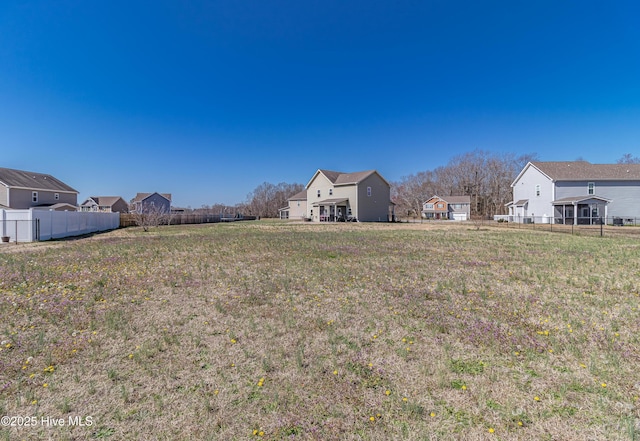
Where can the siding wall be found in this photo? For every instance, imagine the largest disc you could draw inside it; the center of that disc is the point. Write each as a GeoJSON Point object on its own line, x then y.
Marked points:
{"type": "Point", "coordinates": [324, 185]}
{"type": "Point", "coordinates": [624, 195]}
{"type": "Point", "coordinates": [373, 208]}
{"type": "Point", "coordinates": [4, 191]}
{"type": "Point", "coordinates": [525, 188]}
{"type": "Point", "coordinates": [297, 209]}
{"type": "Point", "coordinates": [21, 198]}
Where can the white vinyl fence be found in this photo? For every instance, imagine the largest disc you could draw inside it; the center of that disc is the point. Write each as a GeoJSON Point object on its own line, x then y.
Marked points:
{"type": "Point", "coordinates": [34, 225]}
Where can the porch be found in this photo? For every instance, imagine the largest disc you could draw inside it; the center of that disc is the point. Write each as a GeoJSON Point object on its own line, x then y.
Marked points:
{"type": "Point", "coordinates": [333, 210]}
{"type": "Point", "coordinates": [580, 210]}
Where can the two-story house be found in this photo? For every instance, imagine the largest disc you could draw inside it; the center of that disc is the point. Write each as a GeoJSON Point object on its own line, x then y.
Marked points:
{"type": "Point", "coordinates": [151, 202]}
{"type": "Point", "coordinates": [450, 207]}
{"type": "Point", "coordinates": [21, 189]}
{"type": "Point", "coordinates": [105, 204]}
{"type": "Point", "coordinates": [575, 192]}
{"type": "Point", "coordinates": [335, 196]}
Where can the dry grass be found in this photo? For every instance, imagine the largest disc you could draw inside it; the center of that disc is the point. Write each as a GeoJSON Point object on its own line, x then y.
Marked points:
{"type": "Point", "coordinates": [271, 330]}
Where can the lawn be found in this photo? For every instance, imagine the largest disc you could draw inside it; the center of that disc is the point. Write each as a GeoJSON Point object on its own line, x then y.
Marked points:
{"type": "Point", "coordinates": [273, 330]}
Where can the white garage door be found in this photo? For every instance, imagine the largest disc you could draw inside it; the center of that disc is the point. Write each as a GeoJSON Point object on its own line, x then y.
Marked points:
{"type": "Point", "coordinates": [460, 216]}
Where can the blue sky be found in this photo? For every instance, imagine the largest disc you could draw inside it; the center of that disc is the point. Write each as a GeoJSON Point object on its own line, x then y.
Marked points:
{"type": "Point", "coordinates": [208, 99]}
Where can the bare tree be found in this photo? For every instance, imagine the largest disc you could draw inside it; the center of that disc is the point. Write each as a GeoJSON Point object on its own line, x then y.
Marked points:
{"type": "Point", "coordinates": [410, 193]}
{"type": "Point", "coordinates": [628, 158]}
{"type": "Point", "coordinates": [485, 177]}
{"type": "Point", "coordinates": [267, 198]}
{"type": "Point", "coordinates": [151, 216]}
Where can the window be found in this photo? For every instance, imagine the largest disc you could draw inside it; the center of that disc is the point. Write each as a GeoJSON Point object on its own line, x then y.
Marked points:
{"type": "Point", "coordinates": [538, 190]}
{"type": "Point", "coordinates": [331, 192]}
{"type": "Point", "coordinates": [318, 193]}
{"type": "Point", "coordinates": [591, 188]}
{"type": "Point", "coordinates": [56, 196]}
{"type": "Point", "coordinates": [368, 191]}
{"type": "Point", "coordinates": [34, 196]}
{"type": "Point", "coordinates": [428, 206]}
{"type": "Point", "coordinates": [440, 205]}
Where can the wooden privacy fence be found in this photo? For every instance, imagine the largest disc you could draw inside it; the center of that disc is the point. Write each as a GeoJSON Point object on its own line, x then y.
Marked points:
{"type": "Point", "coordinates": [132, 220]}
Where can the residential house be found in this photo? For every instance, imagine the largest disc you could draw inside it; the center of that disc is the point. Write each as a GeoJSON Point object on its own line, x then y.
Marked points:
{"type": "Point", "coordinates": [575, 192]}
{"type": "Point", "coordinates": [105, 204]}
{"type": "Point", "coordinates": [297, 207]}
{"type": "Point", "coordinates": [24, 189]}
{"type": "Point", "coordinates": [450, 208]}
{"type": "Point", "coordinates": [151, 202]}
{"type": "Point", "coordinates": [336, 196]}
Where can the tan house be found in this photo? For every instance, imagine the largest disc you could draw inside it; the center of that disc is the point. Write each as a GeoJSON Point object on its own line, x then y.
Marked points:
{"type": "Point", "coordinates": [297, 208]}
{"type": "Point", "coordinates": [450, 208]}
{"type": "Point", "coordinates": [359, 196]}
{"type": "Point", "coordinates": [24, 189]}
{"type": "Point", "coordinates": [105, 204]}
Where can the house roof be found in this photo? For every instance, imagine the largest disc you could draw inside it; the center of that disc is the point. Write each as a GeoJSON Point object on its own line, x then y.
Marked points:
{"type": "Point", "coordinates": [142, 196]}
{"type": "Point", "coordinates": [585, 171]}
{"type": "Point", "coordinates": [452, 199]}
{"type": "Point", "coordinates": [340, 178]}
{"type": "Point", "coordinates": [458, 199]}
{"type": "Point", "coordinates": [576, 199]}
{"type": "Point", "coordinates": [61, 206]}
{"type": "Point", "coordinates": [103, 200]}
{"type": "Point", "coordinates": [32, 181]}
{"type": "Point", "coordinates": [302, 196]}
{"type": "Point", "coordinates": [331, 201]}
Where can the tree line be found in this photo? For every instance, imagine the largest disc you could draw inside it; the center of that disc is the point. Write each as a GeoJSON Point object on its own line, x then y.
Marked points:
{"type": "Point", "coordinates": [485, 177]}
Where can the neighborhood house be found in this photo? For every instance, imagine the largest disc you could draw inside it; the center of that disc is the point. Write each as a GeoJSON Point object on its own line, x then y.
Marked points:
{"type": "Point", "coordinates": [105, 204]}
{"type": "Point", "coordinates": [575, 192]}
{"type": "Point", "coordinates": [451, 208]}
{"type": "Point", "coordinates": [332, 196]}
{"type": "Point", "coordinates": [151, 202]}
{"type": "Point", "coordinates": [24, 189]}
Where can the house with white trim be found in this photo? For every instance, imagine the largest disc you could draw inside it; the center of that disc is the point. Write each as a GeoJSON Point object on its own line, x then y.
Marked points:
{"type": "Point", "coordinates": [296, 207]}
{"type": "Point", "coordinates": [332, 196]}
{"type": "Point", "coordinates": [159, 203]}
{"type": "Point", "coordinates": [575, 192]}
{"type": "Point", "coordinates": [21, 189]}
{"type": "Point", "coordinates": [105, 204]}
{"type": "Point", "coordinates": [449, 207]}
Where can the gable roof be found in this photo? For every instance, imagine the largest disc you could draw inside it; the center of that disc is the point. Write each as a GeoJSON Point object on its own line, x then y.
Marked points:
{"type": "Point", "coordinates": [32, 181]}
{"type": "Point", "coordinates": [585, 171]}
{"type": "Point", "coordinates": [142, 196]}
{"type": "Point", "coordinates": [104, 200]}
{"type": "Point", "coordinates": [451, 199]}
{"type": "Point", "coordinates": [340, 178]}
{"type": "Point", "coordinates": [301, 196]}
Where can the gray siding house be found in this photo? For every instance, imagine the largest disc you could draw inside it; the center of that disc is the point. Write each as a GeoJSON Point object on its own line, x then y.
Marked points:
{"type": "Point", "coordinates": [575, 192]}
{"type": "Point", "coordinates": [21, 189]}
{"type": "Point", "coordinates": [335, 196]}
{"type": "Point", "coordinates": [151, 202]}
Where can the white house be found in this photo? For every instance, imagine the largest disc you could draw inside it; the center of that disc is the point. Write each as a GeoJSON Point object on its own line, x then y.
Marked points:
{"type": "Point", "coordinates": [575, 192]}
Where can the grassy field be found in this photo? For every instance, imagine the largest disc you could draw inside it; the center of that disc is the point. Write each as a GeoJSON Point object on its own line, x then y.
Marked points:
{"type": "Point", "coordinates": [269, 330]}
